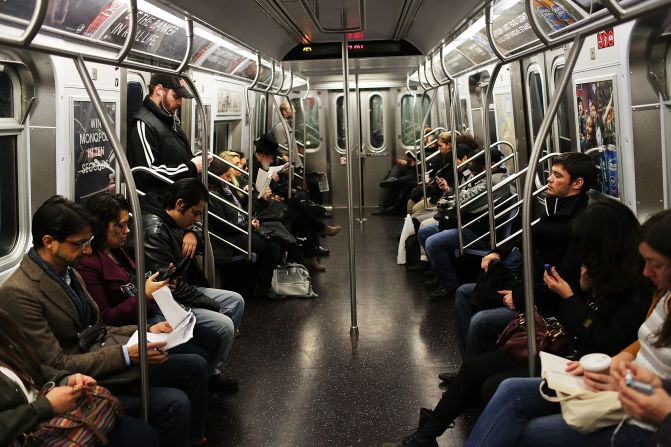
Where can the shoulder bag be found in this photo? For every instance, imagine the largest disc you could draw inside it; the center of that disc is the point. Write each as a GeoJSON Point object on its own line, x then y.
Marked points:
{"type": "Point", "coordinates": [87, 425]}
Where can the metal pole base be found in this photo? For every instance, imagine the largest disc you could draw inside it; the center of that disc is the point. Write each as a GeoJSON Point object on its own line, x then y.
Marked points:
{"type": "Point", "coordinates": [361, 219]}
{"type": "Point", "coordinates": [354, 330]}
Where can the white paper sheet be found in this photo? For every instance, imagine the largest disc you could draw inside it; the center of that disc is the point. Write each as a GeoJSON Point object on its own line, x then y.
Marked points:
{"type": "Point", "coordinates": [181, 320]}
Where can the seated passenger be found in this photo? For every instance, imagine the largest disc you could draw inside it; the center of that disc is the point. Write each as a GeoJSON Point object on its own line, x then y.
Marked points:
{"type": "Point", "coordinates": [517, 414]}
{"type": "Point", "coordinates": [170, 236]}
{"type": "Point", "coordinates": [402, 178]}
{"type": "Point", "coordinates": [47, 299]}
{"type": "Point", "coordinates": [268, 250]}
{"type": "Point", "coordinates": [440, 240]}
{"type": "Point", "coordinates": [439, 167]}
{"type": "Point", "coordinates": [571, 177]}
{"type": "Point", "coordinates": [604, 320]}
{"type": "Point", "coordinates": [23, 407]}
{"type": "Point", "coordinates": [303, 223]}
{"type": "Point", "coordinates": [109, 275]}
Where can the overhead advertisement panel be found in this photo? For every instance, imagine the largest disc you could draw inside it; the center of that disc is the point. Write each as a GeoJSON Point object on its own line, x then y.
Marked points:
{"type": "Point", "coordinates": [512, 30]}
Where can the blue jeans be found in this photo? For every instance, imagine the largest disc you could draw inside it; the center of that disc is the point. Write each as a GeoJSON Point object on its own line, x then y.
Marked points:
{"type": "Point", "coordinates": [223, 323]}
{"type": "Point", "coordinates": [440, 246]}
{"type": "Point", "coordinates": [477, 330]}
{"type": "Point", "coordinates": [518, 415]}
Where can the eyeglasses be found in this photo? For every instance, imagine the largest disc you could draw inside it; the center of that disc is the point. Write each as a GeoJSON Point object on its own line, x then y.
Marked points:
{"type": "Point", "coordinates": [119, 227]}
{"type": "Point", "coordinates": [80, 245]}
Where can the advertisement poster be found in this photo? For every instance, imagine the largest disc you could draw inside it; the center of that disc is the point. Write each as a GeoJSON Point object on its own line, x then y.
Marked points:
{"type": "Point", "coordinates": [199, 137]}
{"type": "Point", "coordinates": [93, 155]}
{"type": "Point", "coordinates": [596, 108]}
{"type": "Point", "coordinates": [228, 102]}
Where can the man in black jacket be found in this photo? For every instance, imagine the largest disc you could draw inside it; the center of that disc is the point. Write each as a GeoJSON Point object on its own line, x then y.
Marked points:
{"type": "Point", "coordinates": [170, 236]}
{"type": "Point", "coordinates": [571, 177]}
{"type": "Point", "coordinates": [155, 139]}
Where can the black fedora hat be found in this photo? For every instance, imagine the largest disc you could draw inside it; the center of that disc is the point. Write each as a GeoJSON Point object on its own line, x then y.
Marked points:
{"type": "Point", "coordinates": [266, 144]}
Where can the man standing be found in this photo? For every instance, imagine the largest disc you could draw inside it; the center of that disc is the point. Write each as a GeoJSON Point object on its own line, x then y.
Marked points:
{"type": "Point", "coordinates": [155, 138]}
{"type": "Point", "coordinates": [281, 136]}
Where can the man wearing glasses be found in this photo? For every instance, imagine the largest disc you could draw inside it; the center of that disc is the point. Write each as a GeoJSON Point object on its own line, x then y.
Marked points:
{"type": "Point", "coordinates": [171, 234]}
{"type": "Point", "coordinates": [48, 300]}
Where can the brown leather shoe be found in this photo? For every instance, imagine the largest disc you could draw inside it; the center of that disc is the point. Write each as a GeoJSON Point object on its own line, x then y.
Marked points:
{"type": "Point", "coordinates": [332, 230]}
{"type": "Point", "coordinates": [313, 263]}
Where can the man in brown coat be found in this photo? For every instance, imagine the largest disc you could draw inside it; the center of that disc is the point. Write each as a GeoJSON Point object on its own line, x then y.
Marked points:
{"type": "Point", "coordinates": [47, 299]}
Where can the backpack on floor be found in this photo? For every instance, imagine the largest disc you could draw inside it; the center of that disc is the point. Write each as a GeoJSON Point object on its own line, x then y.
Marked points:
{"type": "Point", "coordinates": [292, 279]}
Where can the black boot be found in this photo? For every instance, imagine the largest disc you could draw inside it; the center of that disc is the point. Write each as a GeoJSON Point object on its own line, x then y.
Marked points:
{"type": "Point", "coordinates": [430, 427]}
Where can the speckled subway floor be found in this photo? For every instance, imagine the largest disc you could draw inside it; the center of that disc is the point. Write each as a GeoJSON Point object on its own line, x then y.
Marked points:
{"type": "Point", "coordinates": [304, 381]}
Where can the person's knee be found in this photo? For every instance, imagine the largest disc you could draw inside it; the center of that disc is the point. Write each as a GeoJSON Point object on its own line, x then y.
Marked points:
{"type": "Point", "coordinates": [169, 407]}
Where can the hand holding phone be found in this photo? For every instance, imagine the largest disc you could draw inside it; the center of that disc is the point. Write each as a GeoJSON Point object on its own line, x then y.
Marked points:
{"type": "Point", "coordinates": [641, 387]}
{"type": "Point", "coordinates": [173, 273]}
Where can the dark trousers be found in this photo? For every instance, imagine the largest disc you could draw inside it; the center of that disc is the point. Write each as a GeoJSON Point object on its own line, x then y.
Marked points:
{"type": "Point", "coordinates": [169, 414]}
{"type": "Point", "coordinates": [132, 432]}
{"type": "Point", "coordinates": [473, 374]}
{"type": "Point", "coordinates": [268, 252]}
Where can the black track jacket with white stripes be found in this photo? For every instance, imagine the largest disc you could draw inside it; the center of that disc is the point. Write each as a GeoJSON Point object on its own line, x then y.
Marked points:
{"type": "Point", "coordinates": [157, 142]}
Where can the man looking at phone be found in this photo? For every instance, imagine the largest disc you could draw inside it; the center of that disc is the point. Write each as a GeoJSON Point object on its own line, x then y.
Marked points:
{"type": "Point", "coordinates": [47, 299]}
{"type": "Point", "coordinates": [170, 235]}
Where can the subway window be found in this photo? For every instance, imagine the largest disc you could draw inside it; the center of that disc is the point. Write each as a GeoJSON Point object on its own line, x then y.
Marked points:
{"type": "Point", "coordinates": [9, 218]}
{"type": "Point", "coordinates": [412, 113]}
{"type": "Point", "coordinates": [563, 128]}
{"type": "Point", "coordinates": [376, 122]}
{"type": "Point", "coordinates": [535, 99]}
{"type": "Point", "coordinates": [261, 117]}
{"type": "Point", "coordinates": [6, 96]}
{"type": "Point", "coordinates": [9, 181]}
{"type": "Point", "coordinates": [340, 124]}
{"type": "Point", "coordinates": [307, 121]}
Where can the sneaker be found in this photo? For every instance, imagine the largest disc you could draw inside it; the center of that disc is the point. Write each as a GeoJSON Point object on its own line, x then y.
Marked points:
{"type": "Point", "coordinates": [221, 384]}
{"type": "Point", "coordinates": [442, 293]}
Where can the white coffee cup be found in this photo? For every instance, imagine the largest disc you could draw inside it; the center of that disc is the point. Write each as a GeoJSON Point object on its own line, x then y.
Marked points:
{"type": "Point", "coordinates": [596, 362]}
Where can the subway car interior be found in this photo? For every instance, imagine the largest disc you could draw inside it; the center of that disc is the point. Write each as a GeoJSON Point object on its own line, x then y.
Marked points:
{"type": "Point", "coordinates": [348, 223]}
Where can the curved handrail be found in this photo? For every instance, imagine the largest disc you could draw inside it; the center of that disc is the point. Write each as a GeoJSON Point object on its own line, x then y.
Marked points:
{"type": "Point", "coordinates": [230, 165]}
{"type": "Point", "coordinates": [189, 47]}
{"type": "Point", "coordinates": [132, 31]}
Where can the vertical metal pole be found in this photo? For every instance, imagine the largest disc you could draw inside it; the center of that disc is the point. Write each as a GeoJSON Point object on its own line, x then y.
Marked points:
{"type": "Point", "coordinates": [137, 229]}
{"type": "Point", "coordinates": [457, 201]}
{"type": "Point", "coordinates": [487, 97]}
{"type": "Point", "coordinates": [422, 151]}
{"type": "Point", "coordinates": [250, 154]}
{"type": "Point", "coordinates": [527, 199]}
{"type": "Point", "coordinates": [208, 254]}
{"type": "Point", "coordinates": [304, 99]}
{"type": "Point", "coordinates": [361, 149]}
{"type": "Point", "coordinates": [354, 329]}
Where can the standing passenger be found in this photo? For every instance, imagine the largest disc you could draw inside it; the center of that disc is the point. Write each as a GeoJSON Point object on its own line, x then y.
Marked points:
{"type": "Point", "coordinates": [155, 138]}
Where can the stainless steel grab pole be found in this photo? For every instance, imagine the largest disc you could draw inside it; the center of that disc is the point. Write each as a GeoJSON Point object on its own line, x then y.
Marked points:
{"type": "Point", "coordinates": [108, 126]}
{"type": "Point", "coordinates": [354, 329]}
{"type": "Point", "coordinates": [527, 199]}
